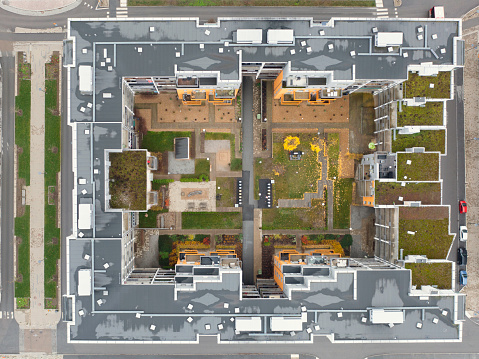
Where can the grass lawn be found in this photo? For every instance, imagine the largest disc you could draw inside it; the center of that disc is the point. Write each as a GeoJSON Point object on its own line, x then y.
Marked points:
{"type": "Point", "coordinates": [423, 167]}
{"type": "Point", "coordinates": [227, 190]}
{"type": "Point", "coordinates": [128, 180]}
{"type": "Point", "coordinates": [150, 221]}
{"type": "Point", "coordinates": [236, 163]}
{"type": "Point", "coordinates": [430, 114]}
{"type": "Point", "coordinates": [211, 220]}
{"type": "Point", "coordinates": [161, 141]}
{"type": "Point", "coordinates": [23, 303]}
{"type": "Point", "coordinates": [202, 170]}
{"type": "Point", "coordinates": [343, 196]}
{"type": "Point", "coordinates": [439, 274]}
{"type": "Point", "coordinates": [52, 167]}
{"type": "Point", "coordinates": [165, 245]}
{"type": "Point", "coordinates": [22, 128]}
{"type": "Point", "coordinates": [294, 218]}
{"type": "Point", "coordinates": [363, 3]}
{"type": "Point", "coordinates": [430, 140]}
{"type": "Point", "coordinates": [388, 193]}
{"type": "Point", "coordinates": [332, 151]}
{"type": "Point", "coordinates": [431, 238]}
{"type": "Point", "coordinates": [22, 230]}
{"type": "Point", "coordinates": [292, 178]}
{"type": "Point", "coordinates": [419, 86]}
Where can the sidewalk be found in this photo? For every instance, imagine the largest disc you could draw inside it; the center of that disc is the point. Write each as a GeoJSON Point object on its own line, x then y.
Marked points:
{"type": "Point", "coordinates": [37, 317]}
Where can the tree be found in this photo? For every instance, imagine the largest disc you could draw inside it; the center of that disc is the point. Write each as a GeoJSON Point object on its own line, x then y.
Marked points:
{"type": "Point", "coordinates": [346, 241]}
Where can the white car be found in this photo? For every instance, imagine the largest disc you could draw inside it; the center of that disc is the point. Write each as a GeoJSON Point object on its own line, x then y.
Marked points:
{"type": "Point", "coordinates": [463, 233]}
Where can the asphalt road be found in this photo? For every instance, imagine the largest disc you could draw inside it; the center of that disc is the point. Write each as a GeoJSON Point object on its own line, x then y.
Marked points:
{"type": "Point", "coordinates": [453, 170]}
{"type": "Point", "coordinates": [8, 326]}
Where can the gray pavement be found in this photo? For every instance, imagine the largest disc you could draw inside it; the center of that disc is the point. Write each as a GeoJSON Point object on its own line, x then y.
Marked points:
{"type": "Point", "coordinates": [248, 182]}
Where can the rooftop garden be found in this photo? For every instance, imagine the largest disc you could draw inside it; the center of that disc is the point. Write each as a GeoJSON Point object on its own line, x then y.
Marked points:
{"type": "Point", "coordinates": [128, 180]}
{"type": "Point", "coordinates": [236, 164]}
{"type": "Point", "coordinates": [431, 236]}
{"type": "Point", "coordinates": [431, 114]}
{"type": "Point", "coordinates": [293, 178]}
{"type": "Point", "coordinates": [211, 220]}
{"type": "Point", "coordinates": [439, 274]}
{"type": "Point", "coordinates": [161, 141]}
{"type": "Point", "coordinates": [428, 86]}
{"type": "Point", "coordinates": [388, 193]}
{"type": "Point", "coordinates": [433, 141]}
{"type": "Point", "coordinates": [417, 166]}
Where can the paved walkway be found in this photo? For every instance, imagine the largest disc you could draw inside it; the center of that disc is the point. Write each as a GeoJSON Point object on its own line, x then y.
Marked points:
{"type": "Point", "coordinates": [37, 317]}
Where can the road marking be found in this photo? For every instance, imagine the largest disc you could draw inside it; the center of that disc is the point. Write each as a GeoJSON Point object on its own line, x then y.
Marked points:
{"type": "Point", "coordinates": [1, 313]}
{"type": "Point", "coordinates": [126, 15]}
{"type": "Point", "coordinates": [379, 3]}
{"type": "Point", "coordinates": [382, 10]}
{"type": "Point", "coordinates": [383, 17]}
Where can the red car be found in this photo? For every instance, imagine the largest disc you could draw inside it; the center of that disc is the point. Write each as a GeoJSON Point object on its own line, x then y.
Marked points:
{"type": "Point", "coordinates": [462, 207]}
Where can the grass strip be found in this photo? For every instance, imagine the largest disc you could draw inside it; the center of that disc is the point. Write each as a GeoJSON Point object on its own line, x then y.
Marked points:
{"type": "Point", "coordinates": [343, 196]}
{"type": "Point", "coordinates": [52, 167]}
{"type": "Point", "coordinates": [22, 230]}
{"type": "Point", "coordinates": [211, 220]}
{"type": "Point", "coordinates": [22, 129]}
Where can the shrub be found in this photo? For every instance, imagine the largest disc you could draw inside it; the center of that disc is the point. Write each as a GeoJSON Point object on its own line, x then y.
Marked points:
{"type": "Point", "coordinates": [346, 241]}
{"type": "Point", "coordinates": [331, 236]}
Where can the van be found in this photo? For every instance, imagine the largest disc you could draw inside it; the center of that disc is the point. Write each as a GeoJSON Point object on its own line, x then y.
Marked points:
{"type": "Point", "coordinates": [463, 277]}
{"type": "Point", "coordinates": [436, 12]}
{"type": "Point", "coordinates": [463, 233]}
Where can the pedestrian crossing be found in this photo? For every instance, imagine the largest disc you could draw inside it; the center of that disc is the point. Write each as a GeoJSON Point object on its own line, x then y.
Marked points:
{"type": "Point", "coordinates": [382, 12]}
{"type": "Point", "coordinates": [121, 12]}
{"type": "Point", "coordinates": [6, 315]}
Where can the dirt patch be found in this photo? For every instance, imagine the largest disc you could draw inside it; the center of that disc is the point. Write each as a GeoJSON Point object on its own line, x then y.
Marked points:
{"type": "Point", "coordinates": [337, 111]}
{"type": "Point", "coordinates": [51, 68]}
{"type": "Point", "coordinates": [168, 108]}
{"type": "Point", "coordinates": [54, 149]}
{"type": "Point", "coordinates": [20, 208]}
{"type": "Point", "coordinates": [361, 119]}
{"type": "Point", "coordinates": [225, 113]}
{"type": "Point", "coordinates": [414, 213]}
{"type": "Point", "coordinates": [52, 195]}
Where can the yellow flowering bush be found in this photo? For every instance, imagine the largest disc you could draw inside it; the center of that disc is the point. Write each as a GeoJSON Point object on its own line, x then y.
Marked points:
{"type": "Point", "coordinates": [290, 143]}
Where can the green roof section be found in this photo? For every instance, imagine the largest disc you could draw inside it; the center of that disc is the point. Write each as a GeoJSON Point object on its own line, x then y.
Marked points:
{"type": "Point", "coordinates": [430, 114]}
{"type": "Point", "coordinates": [428, 86]}
{"type": "Point", "coordinates": [128, 180]}
{"type": "Point", "coordinates": [417, 167]}
{"type": "Point", "coordinates": [437, 274]}
{"type": "Point", "coordinates": [388, 193]}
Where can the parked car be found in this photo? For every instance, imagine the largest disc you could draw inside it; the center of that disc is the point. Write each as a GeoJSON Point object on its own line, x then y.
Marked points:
{"type": "Point", "coordinates": [463, 233]}
{"type": "Point", "coordinates": [462, 277]}
{"type": "Point", "coordinates": [462, 207]}
{"type": "Point", "coordinates": [462, 256]}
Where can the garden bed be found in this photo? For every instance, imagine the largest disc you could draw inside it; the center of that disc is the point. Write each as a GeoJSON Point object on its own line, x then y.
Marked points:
{"type": "Point", "coordinates": [420, 86]}
{"type": "Point", "coordinates": [431, 114]}
{"type": "Point", "coordinates": [439, 274]}
{"type": "Point", "coordinates": [22, 129]}
{"type": "Point", "coordinates": [422, 167]}
{"type": "Point", "coordinates": [22, 232]}
{"type": "Point", "coordinates": [388, 193]}
{"type": "Point", "coordinates": [128, 180]}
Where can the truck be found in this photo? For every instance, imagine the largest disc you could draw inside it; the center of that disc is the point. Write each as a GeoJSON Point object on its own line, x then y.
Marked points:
{"type": "Point", "coordinates": [436, 12]}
